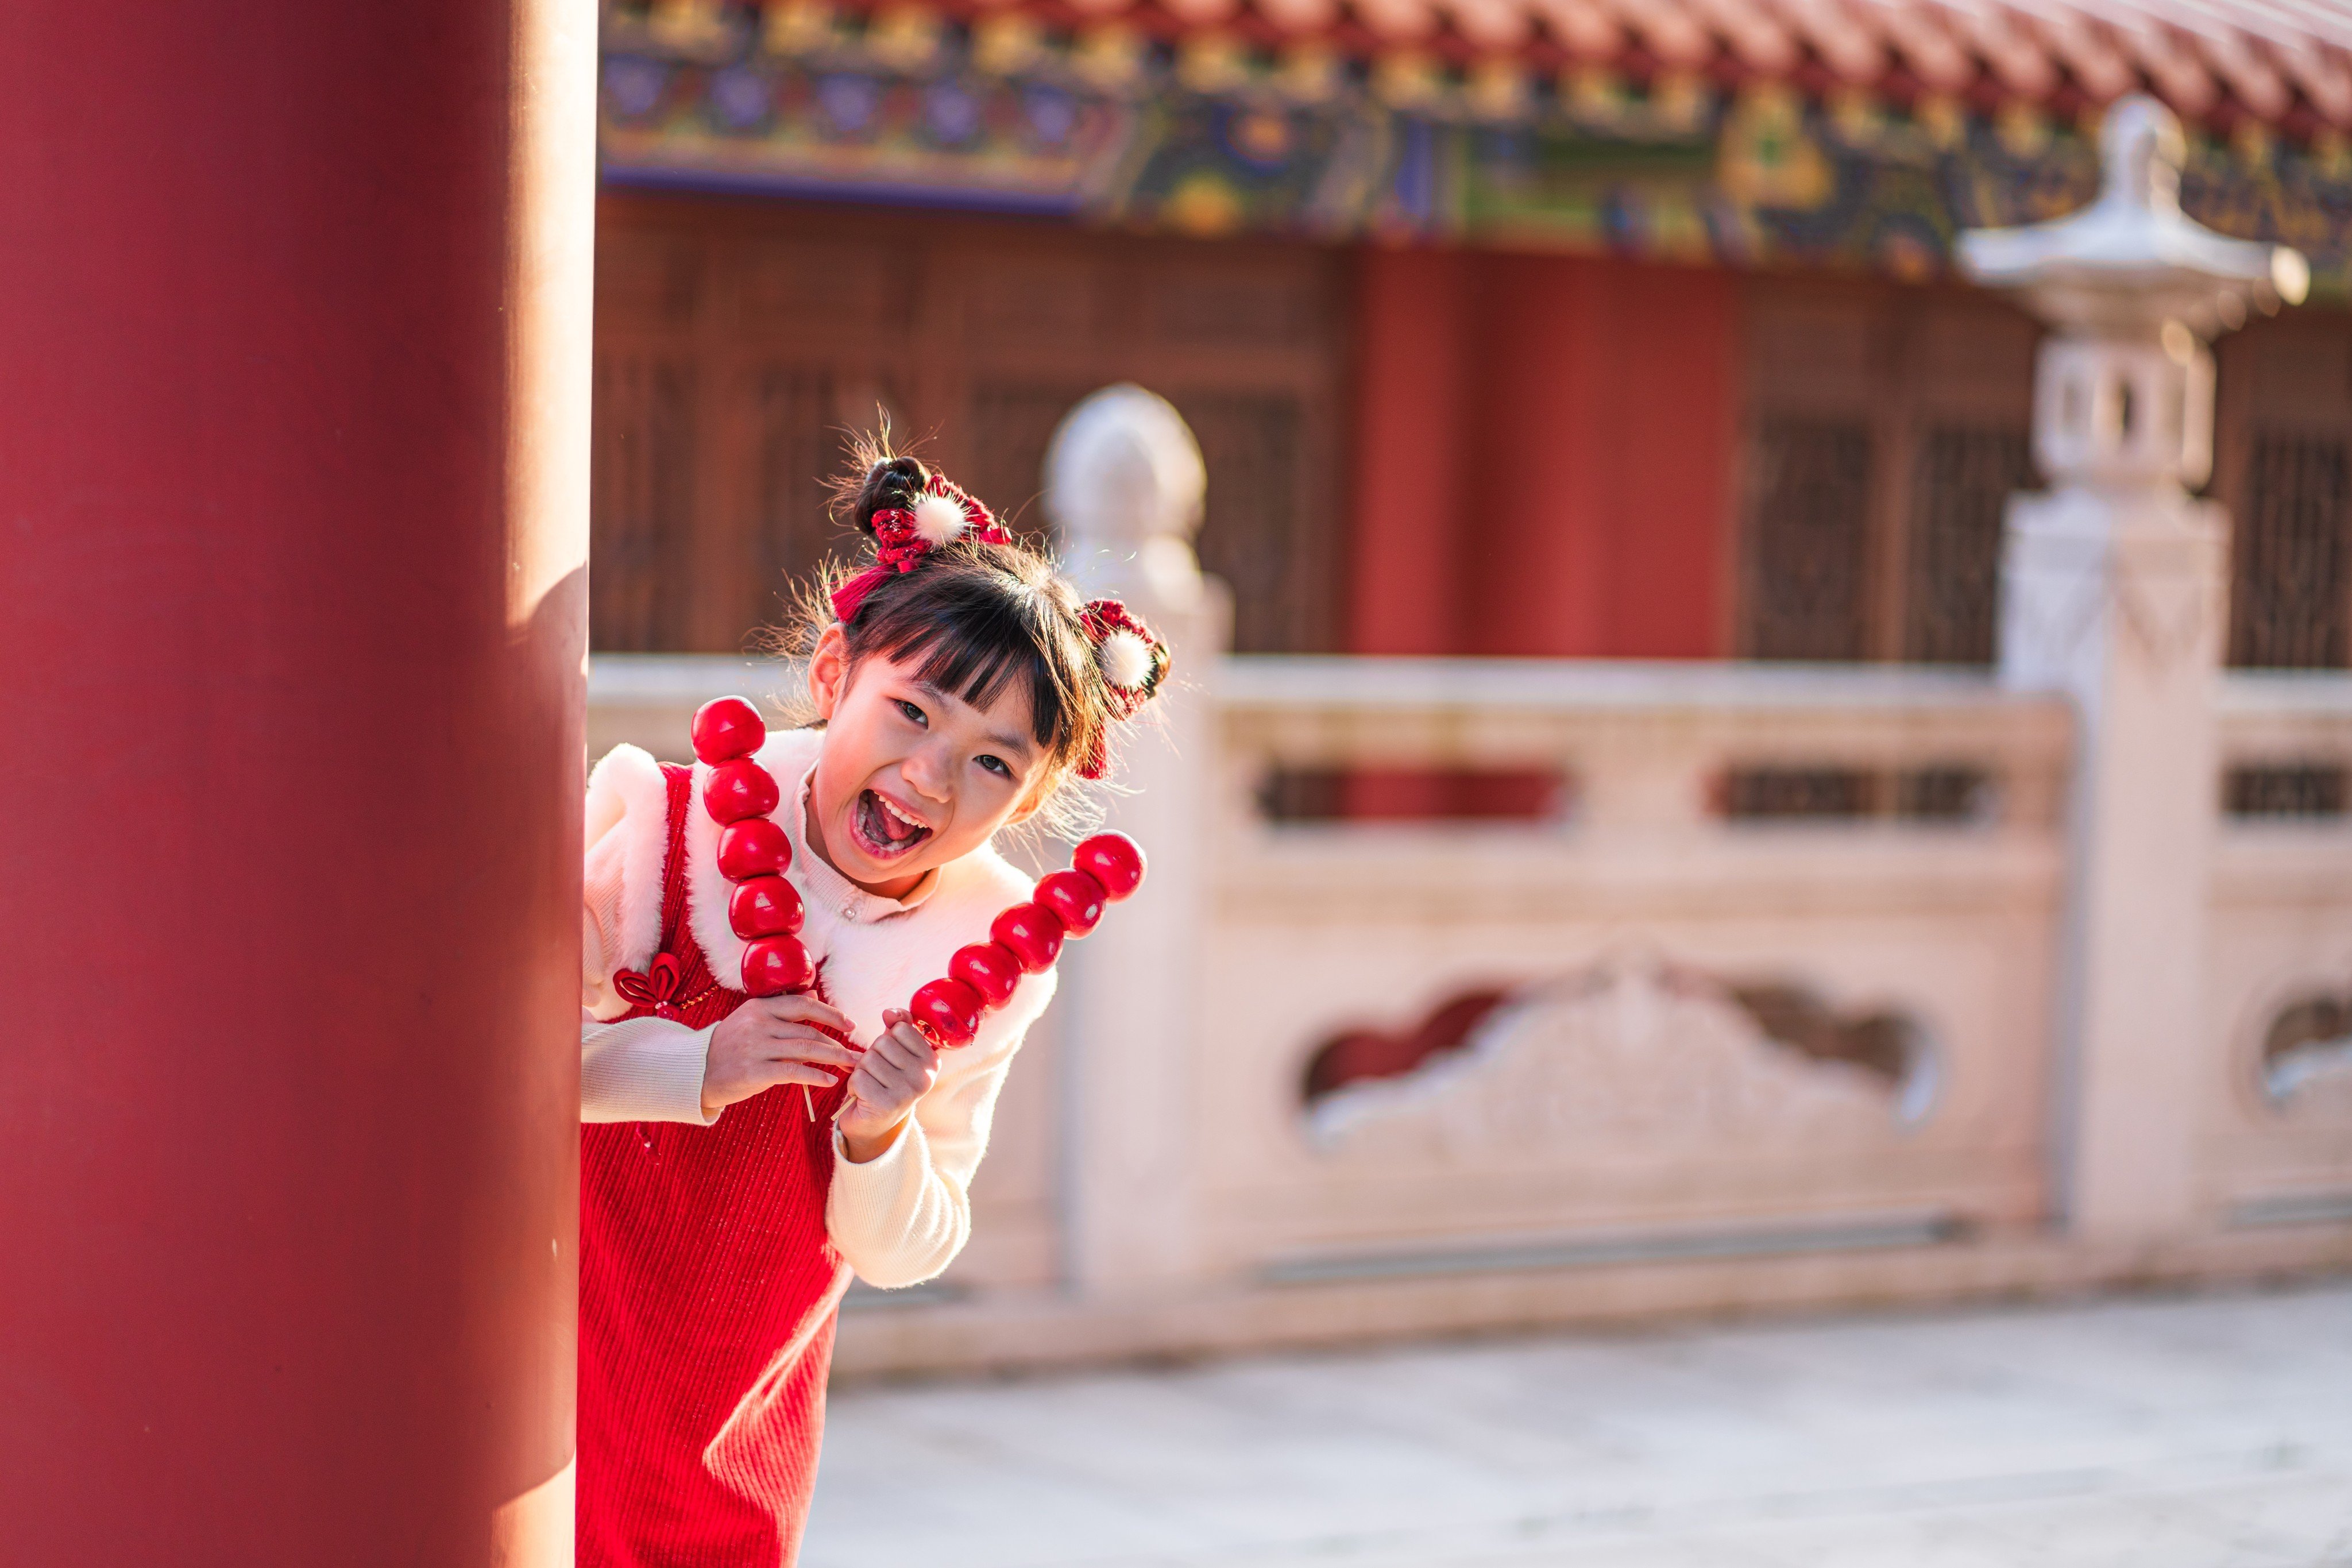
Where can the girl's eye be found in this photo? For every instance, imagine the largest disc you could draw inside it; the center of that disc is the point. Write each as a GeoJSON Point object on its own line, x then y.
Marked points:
{"type": "Point", "coordinates": [911, 710]}
{"type": "Point", "coordinates": [996, 765]}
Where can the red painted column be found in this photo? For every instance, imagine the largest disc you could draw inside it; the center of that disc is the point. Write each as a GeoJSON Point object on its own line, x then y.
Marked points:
{"type": "Point", "coordinates": [1414, 379]}
{"type": "Point", "coordinates": [1674, 399]}
{"type": "Point", "coordinates": [1541, 583]}
{"type": "Point", "coordinates": [1415, 375]}
{"type": "Point", "coordinates": [1602, 429]}
{"type": "Point", "coordinates": [294, 307]}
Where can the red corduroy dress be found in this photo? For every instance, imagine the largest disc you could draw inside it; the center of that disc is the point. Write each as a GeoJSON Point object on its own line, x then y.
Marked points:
{"type": "Point", "coordinates": [707, 1290]}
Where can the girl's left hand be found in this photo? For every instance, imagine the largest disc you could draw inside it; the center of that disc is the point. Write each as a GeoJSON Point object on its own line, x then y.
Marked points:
{"type": "Point", "coordinates": [897, 1070]}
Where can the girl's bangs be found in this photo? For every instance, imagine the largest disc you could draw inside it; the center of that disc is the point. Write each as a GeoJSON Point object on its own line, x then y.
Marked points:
{"type": "Point", "coordinates": [975, 650]}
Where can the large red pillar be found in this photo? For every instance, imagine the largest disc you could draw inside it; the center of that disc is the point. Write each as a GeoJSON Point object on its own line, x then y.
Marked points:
{"type": "Point", "coordinates": [1542, 455]}
{"type": "Point", "coordinates": [1605, 405]}
{"type": "Point", "coordinates": [1414, 371]}
{"type": "Point", "coordinates": [1542, 450]}
{"type": "Point", "coordinates": [294, 310]}
{"type": "Point", "coordinates": [1675, 403]}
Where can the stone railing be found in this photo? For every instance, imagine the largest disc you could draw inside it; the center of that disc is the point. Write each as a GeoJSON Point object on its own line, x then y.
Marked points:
{"type": "Point", "coordinates": [1706, 1027]}
{"type": "Point", "coordinates": [2286, 747]}
{"type": "Point", "coordinates": [1643, 750]}
{"type": "Point", "coordinates": [2275, 1143]}
{"type": "Point", "coordinates": [1697, 1042]}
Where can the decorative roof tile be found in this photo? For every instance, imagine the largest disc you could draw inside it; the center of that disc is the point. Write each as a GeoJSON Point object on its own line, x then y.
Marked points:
{"type": "Point", "coordinates": [1755, 133]}
{"type": "Point", "coordinates": [2284, 62]}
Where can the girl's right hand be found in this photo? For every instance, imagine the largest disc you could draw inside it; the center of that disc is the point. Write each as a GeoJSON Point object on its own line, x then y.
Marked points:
{"type": "Point", "coordinates": [769, 1040]}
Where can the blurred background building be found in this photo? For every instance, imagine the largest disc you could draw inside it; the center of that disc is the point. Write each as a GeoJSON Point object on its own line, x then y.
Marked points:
{"type": "Point", "coordinates": [1650, 299]}
{"type": "Point", "coordinates": [1561, 338]}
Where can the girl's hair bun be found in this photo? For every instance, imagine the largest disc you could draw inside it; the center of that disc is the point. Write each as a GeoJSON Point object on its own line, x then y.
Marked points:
{"type": "Point", "coordinates": [891, 483]}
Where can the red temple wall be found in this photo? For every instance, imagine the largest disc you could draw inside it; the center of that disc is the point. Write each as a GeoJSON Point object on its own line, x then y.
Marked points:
{"type": "Point", "coordinates": [1542, 451]}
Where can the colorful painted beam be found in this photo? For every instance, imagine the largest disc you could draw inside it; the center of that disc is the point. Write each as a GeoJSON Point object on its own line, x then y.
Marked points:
{"type": "Point", "coordinates": [1205, 133]}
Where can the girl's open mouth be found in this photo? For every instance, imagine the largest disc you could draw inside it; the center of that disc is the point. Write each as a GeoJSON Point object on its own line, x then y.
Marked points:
{"type": "Point", "coordinates": [883, 830]}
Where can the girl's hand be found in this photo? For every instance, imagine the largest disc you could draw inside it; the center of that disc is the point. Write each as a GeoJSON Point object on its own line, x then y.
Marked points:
{"type": "Point", "coordinates": [768, 1041]}
{"type": "Point", "coordinates": [899, 1070]}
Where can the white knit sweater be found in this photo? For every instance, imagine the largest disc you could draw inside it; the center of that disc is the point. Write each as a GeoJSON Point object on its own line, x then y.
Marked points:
{"type": "Point", "coordinates": [901, 1217]}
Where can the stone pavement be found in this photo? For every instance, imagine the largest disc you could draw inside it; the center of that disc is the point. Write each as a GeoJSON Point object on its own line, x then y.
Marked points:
{"type": "Point", "coordinates": [2205, 1432]}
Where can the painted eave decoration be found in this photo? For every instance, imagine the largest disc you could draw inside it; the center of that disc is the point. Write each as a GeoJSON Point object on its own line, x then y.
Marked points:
{"type": "Point", "coordinates": [1856, 133]}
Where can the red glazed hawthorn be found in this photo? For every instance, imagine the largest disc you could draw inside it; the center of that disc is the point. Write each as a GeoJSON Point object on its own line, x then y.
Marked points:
{"type": "Point", "coordinates": [726, 728]}
{"type": "Point", "coordinates": [948, 1008]}
{"type": "Point", "coordinates": [1030, 934]}
{"type": "Point", "coordinates": [1076, 899]}
{"type": "Point", "coordinates": [1113, 859]}
{"type": "Point", "coordinates": [738, 790]}
{"type": "Point", "coordinates": [765, 906]}
{"type": "Point", "coordinates": [988, 968]}
{"type": "Point", "coordinates": [774, 966]}
{"type": "Point", "coordinates": [754, 847]}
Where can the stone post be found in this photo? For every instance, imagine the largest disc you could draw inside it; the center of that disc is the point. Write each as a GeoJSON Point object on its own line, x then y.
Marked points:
{"type": "Point", "coordinates": [2115, 592]}
{"type": "Point", "coordinates": [1124, 482]}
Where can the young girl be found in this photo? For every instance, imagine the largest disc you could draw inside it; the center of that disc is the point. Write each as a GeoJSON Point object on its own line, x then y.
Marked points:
{"type": "Point", "coordinates": [957, 683]}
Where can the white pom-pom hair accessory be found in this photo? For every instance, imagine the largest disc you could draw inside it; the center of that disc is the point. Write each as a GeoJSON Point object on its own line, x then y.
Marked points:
{"type": "Point", "coordinates": [941, 520]}
{"type": "Point", "coordinates": [1126, 659]}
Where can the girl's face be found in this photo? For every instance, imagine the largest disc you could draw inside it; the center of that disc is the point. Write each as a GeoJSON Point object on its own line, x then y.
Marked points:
{"type": "Point", "coordinates": [912, 777]}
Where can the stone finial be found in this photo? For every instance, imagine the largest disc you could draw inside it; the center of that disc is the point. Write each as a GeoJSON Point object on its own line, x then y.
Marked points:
{"type": "Point", "coordinates": [2132, 260]}
{"type": "Point", "coordinates": [1124, 479]}
{"type": "Point", "coordinates": [2123, 389]}
{"type": "Point", "coordinates": [1124, 469]}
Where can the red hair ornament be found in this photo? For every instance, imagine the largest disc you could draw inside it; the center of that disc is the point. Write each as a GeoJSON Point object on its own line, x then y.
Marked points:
{"type": "Point", "coordinates": [1132, 661]}
{"type": "Point", "coordinates": [904, 538]}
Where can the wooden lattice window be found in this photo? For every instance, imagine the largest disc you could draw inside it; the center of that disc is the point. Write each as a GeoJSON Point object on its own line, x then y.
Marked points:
{"type": "Point", "coordinates": [1887, 427]}
{"type": "Point", "coordinates": [2284, 789]}
{"type": "Point", "coordinates": [2288, 598]}
{"type": "Point", "coordinates": [1961, 479]}
{"type": "Point", "coordinates": [738, 343]}
{"type": "Point", "coordinates": [1012, 425]}
{"type": "Point", "coordinates": [1807, 545]}
{"type": "Point", "coordinates": [2284, 469]}
{"type": "Point", "coordinates": [642, 499]}
{"type": "Point", "coordinates": [1252, 533]}
{"type": "Point", "coordinates": [802, 417]}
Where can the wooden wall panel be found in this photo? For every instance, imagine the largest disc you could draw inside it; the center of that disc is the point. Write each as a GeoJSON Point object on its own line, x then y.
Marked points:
{"type": "Point", "coordinates": [1012, 422]}
{"type": "Point", "coordinates": [643, 497]}
{"type": "Point", "coordinates": [1542, 446]}
{"type": "Point", "coordinates": [2283, 467]}
{"type": "Point", "coordinates": [739, 342]}
{"type": "Point", "coordinates": [1256, 532]}
{"type": "Point", "coordinates": [1962, 474]}
{"type": "Point", "coordinates": [1886, 428]}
